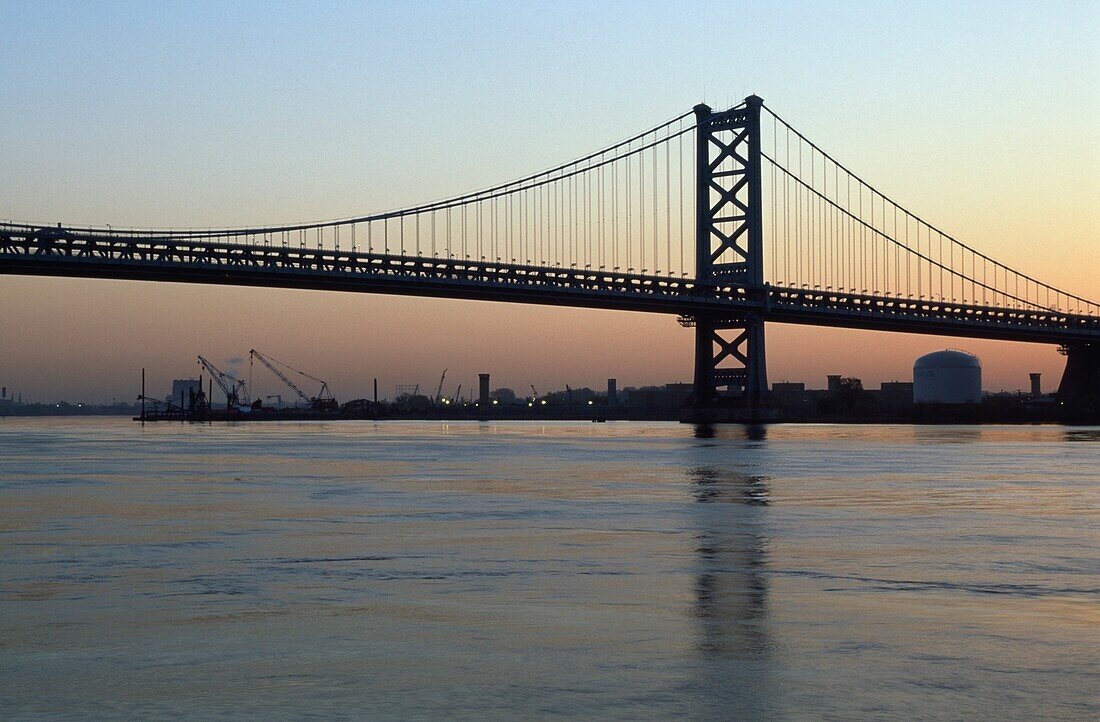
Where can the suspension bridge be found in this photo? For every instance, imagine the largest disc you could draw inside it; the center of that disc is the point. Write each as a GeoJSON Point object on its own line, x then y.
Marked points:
{"type": "Point", "coordinates": [726, 219]}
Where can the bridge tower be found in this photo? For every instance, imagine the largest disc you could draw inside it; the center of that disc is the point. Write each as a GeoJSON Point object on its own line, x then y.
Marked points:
{"type": "Point", "coordinates": [729, 238]}
{"type": "Point", "coordinates": [1079, 390]}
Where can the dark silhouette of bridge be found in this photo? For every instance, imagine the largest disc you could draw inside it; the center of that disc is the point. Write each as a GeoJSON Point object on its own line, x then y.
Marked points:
{"type": "Point", "coordinates": [727, 219]}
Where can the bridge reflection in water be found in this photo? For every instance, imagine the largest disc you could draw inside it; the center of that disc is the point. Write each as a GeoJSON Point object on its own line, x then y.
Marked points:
{"type": "Point", "coordinates": [734, 644]}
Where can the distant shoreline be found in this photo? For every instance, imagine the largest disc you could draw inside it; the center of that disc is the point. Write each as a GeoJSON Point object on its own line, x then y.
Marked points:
{"type": "Point", "coordinates": [665, 418]}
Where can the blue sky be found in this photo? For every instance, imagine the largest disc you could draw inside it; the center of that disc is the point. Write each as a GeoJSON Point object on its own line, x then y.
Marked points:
{"type": "Point", "coordinates": [314, 96]}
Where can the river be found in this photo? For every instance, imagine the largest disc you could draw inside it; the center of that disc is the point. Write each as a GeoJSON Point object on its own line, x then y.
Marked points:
{"type": "Point", "coordinates": [521, 569]}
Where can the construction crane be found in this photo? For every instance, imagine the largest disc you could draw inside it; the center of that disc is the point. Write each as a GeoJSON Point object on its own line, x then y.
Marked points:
{"type": "Point", "coordinates": [534, 393]}
{"type": "Point", "coordinates": [322, 401]}
{"type": "Point", "coordinates": [439, 390]}
{"type": "Point", "coordinates": [458, 394]}
{"type": "Point", "coordinates": [236, 395]}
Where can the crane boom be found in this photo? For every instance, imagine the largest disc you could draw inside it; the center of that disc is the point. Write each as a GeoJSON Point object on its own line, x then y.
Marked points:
{"type": "Point", "coordinates": [324, 399]}
{"type": "Point", "coordinates": [230, 386]}
{"type": "Point", "coordinates": [282, 377]}
{"type": "Point", "coordinates": [439, 389]}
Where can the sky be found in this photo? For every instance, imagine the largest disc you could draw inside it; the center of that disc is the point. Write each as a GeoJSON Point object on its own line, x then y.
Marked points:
{"type": "Point", "coordinates": [980, 117]}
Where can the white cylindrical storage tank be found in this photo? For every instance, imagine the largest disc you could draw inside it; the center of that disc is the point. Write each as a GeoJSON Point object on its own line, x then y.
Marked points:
{"type": "Point", "coordinates": [947, 377]}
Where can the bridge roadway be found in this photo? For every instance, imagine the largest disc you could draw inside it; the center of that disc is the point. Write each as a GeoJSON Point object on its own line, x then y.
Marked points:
{"type": "Point", "coordinates": [47, 251]}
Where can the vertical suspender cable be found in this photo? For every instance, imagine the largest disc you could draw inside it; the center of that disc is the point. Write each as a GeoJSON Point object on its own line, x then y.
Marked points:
{"type": "Point", "coordinates": [641, 211]}
{"type": "Point", "coordinates": [787, 215]}
{"type": "Point", "coordinates": [615, 216]}
{"type": "Point", "coordinates": [668, 200]}
{"type": "Point", "coordinates": [680, 161]}
{"type": "Point", "coordinates": [626, 234]}
{"type": "Point", "coordinates": [655, 261]}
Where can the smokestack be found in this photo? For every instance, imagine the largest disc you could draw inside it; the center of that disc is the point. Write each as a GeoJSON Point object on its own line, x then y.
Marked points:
{"type": "Point", "coordinates": [376, 390]}
{"type": "Point", "coordinates": [483, 389]}
{"type": "Point", "coordinates": [1036, 389]}
{"type": "Point", "coordinates": [612, 392]}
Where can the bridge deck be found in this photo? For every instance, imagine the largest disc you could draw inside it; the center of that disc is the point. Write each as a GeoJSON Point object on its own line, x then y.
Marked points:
{"type": "Point", "coordinates": [28, 250]}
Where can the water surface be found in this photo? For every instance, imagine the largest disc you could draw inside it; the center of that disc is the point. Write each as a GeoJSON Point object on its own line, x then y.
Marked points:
{"type": "Point", "coordinates": [528, 569]}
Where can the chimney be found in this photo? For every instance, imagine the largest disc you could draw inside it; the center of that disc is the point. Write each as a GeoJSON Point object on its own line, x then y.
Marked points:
{"type": "Point", "coordinates": [612, 392]}
{"type": "Point", "coordinates": [483, 389]}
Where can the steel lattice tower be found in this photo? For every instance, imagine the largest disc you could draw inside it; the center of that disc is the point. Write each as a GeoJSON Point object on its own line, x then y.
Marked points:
{"type": "Point", "coordinates": [729, 247]}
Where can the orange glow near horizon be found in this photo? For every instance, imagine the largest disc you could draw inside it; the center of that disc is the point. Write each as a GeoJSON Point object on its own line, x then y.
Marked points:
{"type": "Point", "coordinates": [87, 340]}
